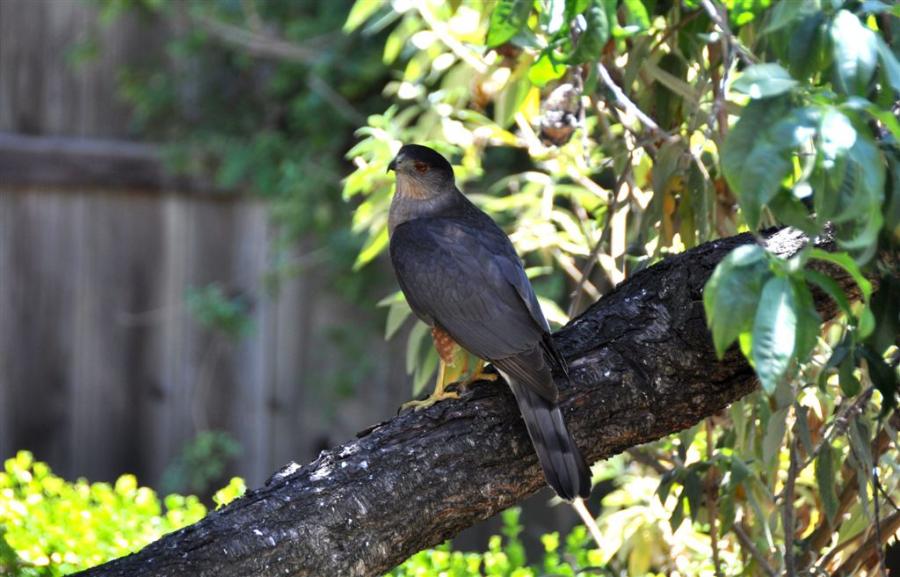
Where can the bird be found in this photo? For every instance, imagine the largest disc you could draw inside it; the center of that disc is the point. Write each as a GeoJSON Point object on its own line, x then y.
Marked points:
{"type": "Point", "coordinates": [462, 276]}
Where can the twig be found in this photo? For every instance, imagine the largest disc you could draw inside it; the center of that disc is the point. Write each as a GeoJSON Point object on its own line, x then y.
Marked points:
{"type": "Point", "coordinates": [716, 15]}
{"type": "Point", "coordinates": [627, 105]}
{"type": "Point", "coordinates": [878, 537]}
{"type": "Point", "coordinates": [891, 525]}
{"type": "Point", "coordinates": [839, 425]}
{"type": "Point", "coordinates": [673, 29]}
{"type": "Point", "coordinates": [343, 106]}
{"type": "Point", "coordinates": [787, 510]}
{"type": "Point", "coordinates": [748, 546]}
{"type": "Point", "coordinates": [822, 534]}
{"type": "Point", "coordinates": [265, 45]}
{"type": "Point", "coordinates": [647, 460]}
{"type": "Point", "coordinates": [712, 500]}
{"type": "Point", "coordinates": [569, 268]}
{"type": "Point", "coordinates": [612, 206]}
{"type": "Point", "coordinates": [875, 485]}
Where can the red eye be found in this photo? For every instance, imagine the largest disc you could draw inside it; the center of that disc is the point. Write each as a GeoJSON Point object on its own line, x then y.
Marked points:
{"type": "Point", "coordinates": [421, 167]}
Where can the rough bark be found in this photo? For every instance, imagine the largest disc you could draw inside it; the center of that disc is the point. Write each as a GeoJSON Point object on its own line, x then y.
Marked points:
{"type": "Point", "coordinates": [642, 367]}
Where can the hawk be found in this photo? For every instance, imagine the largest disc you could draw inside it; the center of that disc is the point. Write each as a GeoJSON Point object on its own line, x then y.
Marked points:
{"type": "Point", "coordinates": [461, 276]}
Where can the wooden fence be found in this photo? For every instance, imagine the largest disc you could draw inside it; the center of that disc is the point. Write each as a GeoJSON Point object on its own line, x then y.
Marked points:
{"type": "Point", "coordinates": [102, 368]}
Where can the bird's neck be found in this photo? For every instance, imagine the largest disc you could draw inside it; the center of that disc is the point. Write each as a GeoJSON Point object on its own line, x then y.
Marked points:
{"type": "Point", "coordinates": [407, 205]}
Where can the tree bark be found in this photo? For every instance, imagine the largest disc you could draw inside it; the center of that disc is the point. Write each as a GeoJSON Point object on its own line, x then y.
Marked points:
{"type": "Point", "coordinates": [642, 367]}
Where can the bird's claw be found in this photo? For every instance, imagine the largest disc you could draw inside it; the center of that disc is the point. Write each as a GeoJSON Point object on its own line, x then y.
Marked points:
{"type": "Point", "coordinates": [418, 405]}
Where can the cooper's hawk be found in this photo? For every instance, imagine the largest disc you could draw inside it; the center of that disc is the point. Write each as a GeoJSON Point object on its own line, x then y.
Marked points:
{"type": "Point", "coordinates": [462, 276]}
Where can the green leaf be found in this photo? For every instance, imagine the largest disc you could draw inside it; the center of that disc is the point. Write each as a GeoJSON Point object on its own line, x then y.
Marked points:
{"type": "Point", "coordinates": [397, 314]}
{"type": "Point", "coordinates": [886, 308]}
{"type": "Point", "coordinates": [362, 10]}
{"type": "Point", "coordinates": [757, 154]}
{"type": "Point", "coordinates": [866, 322]}
{"type": "Point", "coordinates": [774, 332]}
{"type": "Point", "coordinates": [677, 516]}
{"type": "Point", "coordinates": [850, 386]}
{"type": "Point", "coordinates": [764, 81]}
{"type": "Point", "coordinates": [784, 13]}
{"type": "Point", "coordinates": [883, 376]}
{"type": "Point", "coordinates": [732, 293]}
{"type": "Point", "coordinates": [826, 477]}
{"type": "Point", "coordinates": [693, 491]}
{"type": "Point", "coordinates": [373, 247]}
{"type": "Point", "coordinates": [844, 261]}
{"type": "Point", "coordinates": [414, 346]}
{"type": "Point", "coordinates": [836, 136]}
{"type": "Point", "coordinates": [507, 19]}
{"type": "Point", "coordinates": [636, 14]}
{"type": "Point", "coordinates": [545, 70]}
{"type": "Point", "coordinates": [594, 37]}
{"type": "Point", "coordinates": [808, 320]}
{"type": "Point", "coordinates": [801, 428]}
{"type": "Point", "coordinates": [809, 48]}
{"type": "Point", "coordinates": [831, 288]}
{"type": "Point", "coordinates": [424, 371]}
{"type": "Point", "coordinates": [890, 64]}
{"type": "Point", "coordinates": [774, 437]}
{"type": "Point", "coordinates": [665, 483]}
{"type": "Point", "coordinates": [860, 441]}
{"type": "Point", "coordinates": [855, 53]}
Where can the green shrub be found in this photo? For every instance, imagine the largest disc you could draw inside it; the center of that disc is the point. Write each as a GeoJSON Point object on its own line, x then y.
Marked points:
{"type": "Point", "coordinates": [505, 556]}
{"type": "Point", "coordinates": [50, 526]}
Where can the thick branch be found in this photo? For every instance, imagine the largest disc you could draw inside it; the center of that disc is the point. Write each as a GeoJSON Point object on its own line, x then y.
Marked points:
{"type": "Point", "coordinates": [642, 367]}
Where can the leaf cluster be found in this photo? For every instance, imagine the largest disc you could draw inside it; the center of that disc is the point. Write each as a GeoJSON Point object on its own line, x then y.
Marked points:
{"type": "Point", "coordinates": [50, 526]}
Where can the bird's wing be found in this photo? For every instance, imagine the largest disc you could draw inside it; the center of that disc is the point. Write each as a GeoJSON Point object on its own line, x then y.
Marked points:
{"type": "Point", "coordinates": [468, 279]}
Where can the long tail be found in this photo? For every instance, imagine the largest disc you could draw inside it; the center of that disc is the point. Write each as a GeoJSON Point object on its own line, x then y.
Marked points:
{"type": "Point", "coordinates": [564, 466]}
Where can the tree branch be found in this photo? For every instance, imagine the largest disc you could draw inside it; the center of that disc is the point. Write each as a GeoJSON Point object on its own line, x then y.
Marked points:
{"type": "Point", "coordinates": [642, 367]}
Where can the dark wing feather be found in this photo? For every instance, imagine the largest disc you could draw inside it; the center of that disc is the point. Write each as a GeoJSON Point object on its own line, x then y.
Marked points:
{"type": "Point", "coordinates": [465, 276]}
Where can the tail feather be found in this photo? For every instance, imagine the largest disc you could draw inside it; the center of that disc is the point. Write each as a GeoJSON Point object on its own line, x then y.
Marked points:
{"type": "Point", "coordinates": [564, 467]}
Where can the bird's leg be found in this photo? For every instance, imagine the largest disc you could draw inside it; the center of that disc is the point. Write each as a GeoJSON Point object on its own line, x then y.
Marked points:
{"type": "Point", "coordinates": [444, 345]}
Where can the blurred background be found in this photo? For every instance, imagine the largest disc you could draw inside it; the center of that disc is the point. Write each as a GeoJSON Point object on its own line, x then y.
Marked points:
{"type": "Point", "coordinates": [155, 319]}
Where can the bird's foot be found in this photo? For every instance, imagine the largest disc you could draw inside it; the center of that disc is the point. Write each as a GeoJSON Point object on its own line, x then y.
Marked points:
{"type": "Point", "coordinates": [435, 397]}
{"type": "Point", "coordinates": [440, 392]}
{"type": "Point", "coordinates": [478, 375]}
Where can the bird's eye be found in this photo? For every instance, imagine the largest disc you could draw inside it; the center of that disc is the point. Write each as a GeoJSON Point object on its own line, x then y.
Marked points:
{"type": "Point", "coordinates": [421, 167]}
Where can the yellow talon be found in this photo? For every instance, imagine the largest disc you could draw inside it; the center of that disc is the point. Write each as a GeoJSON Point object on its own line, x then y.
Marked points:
{"type": "Point", "coordinates": [478, 375]}
{"type": "Point", "coordinates": [440, 392]}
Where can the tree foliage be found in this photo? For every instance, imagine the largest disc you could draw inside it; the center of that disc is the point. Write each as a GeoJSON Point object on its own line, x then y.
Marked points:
{"type": "Point", "coordinates": [605, 134]}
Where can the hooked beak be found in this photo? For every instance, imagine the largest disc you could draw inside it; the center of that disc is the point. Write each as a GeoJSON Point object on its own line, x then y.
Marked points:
{"type": "Point", "coordinates": [392, 166]}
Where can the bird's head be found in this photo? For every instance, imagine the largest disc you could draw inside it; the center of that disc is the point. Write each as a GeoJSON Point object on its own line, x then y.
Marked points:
{"type": "Point", "coordinates": [421, 172]}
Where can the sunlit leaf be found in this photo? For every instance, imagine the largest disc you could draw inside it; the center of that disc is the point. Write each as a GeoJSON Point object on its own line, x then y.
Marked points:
{"type": "Point", "coordinates": [764, 81]}
{"type": "Point", "coordinates": [731, 295]}
{"type": "Point", "coordinates": [595, 35]}
{"type": "Point", "coordinates": [757, 153]}
{"type": "Point", "coordinates": [826, 477]}
{"type": "Point", "coordinates": [545, 70]}
{"type": "Point", "coordinates": [774, 437]}
{"type": "Point", "coordinates": [844, 261]}
{"type": "Point", "coordinates": [507, 19]}
{"type": "Point", "coordinates": [855, 53]}
{"type": "Point", "coordinates": [774, 332]}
